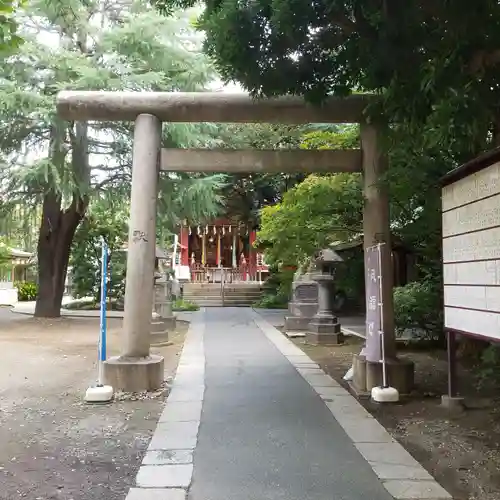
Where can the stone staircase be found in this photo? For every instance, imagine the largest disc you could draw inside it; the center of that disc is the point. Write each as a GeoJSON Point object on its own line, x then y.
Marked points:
{"type": "Point", "coordinates": [210, 294]}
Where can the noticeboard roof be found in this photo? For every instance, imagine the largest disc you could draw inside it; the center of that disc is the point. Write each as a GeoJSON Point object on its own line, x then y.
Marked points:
{"type": "Point", "coordinates": [471, 167]}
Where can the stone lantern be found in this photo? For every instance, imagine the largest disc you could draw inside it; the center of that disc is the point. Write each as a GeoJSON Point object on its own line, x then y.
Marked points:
{"type": "Point", "coordinates": [162, 318]}
{"type": "Point", "coordinates": [324, 328]}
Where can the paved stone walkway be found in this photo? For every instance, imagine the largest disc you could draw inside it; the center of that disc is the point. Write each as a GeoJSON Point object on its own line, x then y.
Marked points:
{"type": "Point", "coordinates": [251, 417]}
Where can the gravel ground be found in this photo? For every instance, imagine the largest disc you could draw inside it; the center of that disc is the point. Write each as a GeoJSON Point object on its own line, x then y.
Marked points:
{"type": "Point", "coordinates": [54, 446]}
{"type": "Point", "coordinates": [461, 451]}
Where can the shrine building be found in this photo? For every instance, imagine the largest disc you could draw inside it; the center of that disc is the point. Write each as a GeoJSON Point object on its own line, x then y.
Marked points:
{"type": "Point", "coordinates": [220, 251]}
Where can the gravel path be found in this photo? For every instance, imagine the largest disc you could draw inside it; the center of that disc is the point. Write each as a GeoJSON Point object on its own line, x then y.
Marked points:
{"type": "Point", "coordinates": [54, 446]}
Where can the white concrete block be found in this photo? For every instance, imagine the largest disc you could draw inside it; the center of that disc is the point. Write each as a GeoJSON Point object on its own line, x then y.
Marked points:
{"type": "Point", "coordinates": [181, 411]}
{"type": "Point", "coordinates": [320, 380]}
{"type": "Point", "coordinates": [175, 436]}
{"type": "Point", "coordinates": [330, 393]}
{"type": "Point", "coordinates": [365, 430]}
{"type": "Point", "coordinates": [165, 476]}
{"type": "Point", "coordinates": [191, 393]}
{"type": "Point", "coordinates": [168, 457]}
{"type": "Point", "coordinates": [156, 494]}
{"type": "Point", "coordinates": [416, 490]}
{"type": "Point", "coordinates": [386, 453]}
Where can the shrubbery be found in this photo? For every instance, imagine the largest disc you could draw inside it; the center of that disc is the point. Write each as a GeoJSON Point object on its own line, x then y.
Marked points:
{"type": "Point", "coordinates": [184, 305]}
{"type": "Point", "coordinates": [117, 305]}
{"type": "Point", "coordinates": [418, 305]}
{"type": "Point", "coordinates": [26, 291]}
{"type": "Point", "coordinates": [276, 290]}
{"type": "Point", "coordinates": [271, 302]}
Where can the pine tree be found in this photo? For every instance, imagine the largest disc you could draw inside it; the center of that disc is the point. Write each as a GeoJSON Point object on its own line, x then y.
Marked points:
{"type": "Point", "coordinates": [85, 44]}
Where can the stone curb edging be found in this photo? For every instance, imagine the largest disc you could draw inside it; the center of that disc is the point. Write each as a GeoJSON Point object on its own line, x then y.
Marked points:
{"type": "Point", "coordinates": [402, 476]}
{"type": "Point", "coordinates": [167, 468]}
{"type": "Point", "coordinates": [75, 313]}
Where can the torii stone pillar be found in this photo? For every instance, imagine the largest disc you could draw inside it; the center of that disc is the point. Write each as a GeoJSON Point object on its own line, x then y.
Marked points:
{"type": "Point", "coordinates": [135, 369]}
{"type": "Point", "coordinates": [376, 229]}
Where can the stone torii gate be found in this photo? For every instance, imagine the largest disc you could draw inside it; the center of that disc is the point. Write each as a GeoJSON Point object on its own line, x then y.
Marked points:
{"type": "Point", "coordinates": [136, 369]}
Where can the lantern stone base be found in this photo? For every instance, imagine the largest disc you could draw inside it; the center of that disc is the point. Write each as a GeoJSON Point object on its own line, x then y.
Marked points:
{"type": "Point", "coordinates": [160, 339]}
{"type": "Point", "coordinates": [324, 331]}
{"type": "Point", "coordinates": [160, 328]}
{"type": "Point", "coordinates": [170, 322]}
{"type": "Point", "coordinates": [134, 374]}
{"type": "Point", "coordinates": [367, 375]}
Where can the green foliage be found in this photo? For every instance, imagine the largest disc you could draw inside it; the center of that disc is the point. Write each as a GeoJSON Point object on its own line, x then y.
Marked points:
{"type": "Point", "coordinates": [194, 197]}
{"type": "Point", "coordinates": [271, 302]}
{"type": "Point", "coordinates": [26, 292]}
{"type": "Point", "coordinates": [346, 137]}
{"type": "Point", "coordinates": [350, 276]}
{"type": "Point", "coordinates": [117, 305]}
{"type": "Point", "coordinates": [9, 39]}
{"type": "Point", "coordinates": [434, 60]}
{"type": "Point", "coordinates": [418, 305]}
{"type": "Point", "coordinates": [319, 210]}
{"type": "Point", "coordinates": [246, 194]}
{"type": "Point", "coordinates": [184, 305]}
{"type": "Point", "coordinates": [133, 49]}
{"type": "Point", "coordinates": [488, 369]}
{"type": "Point", "coordinates": [112, 304]}
{"type": "Point", "coordinates": [315, 213]}
{"type": "Point", "coordinates": [77, 44]}
{"type": "Point", "coordinates": [106, 220]}
{"type": "Point", "coordinates": [276, 289]}
{"type": "Point", "coordinates": [433, 68]}
{"type": "Point", "coordinates": [5, 254]}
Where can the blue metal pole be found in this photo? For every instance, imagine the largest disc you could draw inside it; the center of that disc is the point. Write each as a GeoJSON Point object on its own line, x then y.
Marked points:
{"type": "Point", "coordinates": [102, 334]}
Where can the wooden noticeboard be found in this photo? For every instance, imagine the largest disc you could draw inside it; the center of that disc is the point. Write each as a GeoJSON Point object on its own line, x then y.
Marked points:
{"type": "Point", "coordinates": [471, 247]}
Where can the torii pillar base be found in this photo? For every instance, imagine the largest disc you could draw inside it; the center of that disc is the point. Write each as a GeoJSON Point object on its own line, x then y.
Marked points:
{"type": "Point", "coordinates": [134, 374]}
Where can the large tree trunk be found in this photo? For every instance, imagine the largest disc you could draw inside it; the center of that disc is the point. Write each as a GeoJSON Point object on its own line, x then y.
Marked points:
{"type": "Point", "coordinates": [54, 245]}
{"type": "Point", "coordinates": [59, 224]}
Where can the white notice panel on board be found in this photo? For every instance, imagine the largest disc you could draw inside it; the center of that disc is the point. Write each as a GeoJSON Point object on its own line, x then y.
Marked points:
{"type": "Point", "coordinates": [471, 253]}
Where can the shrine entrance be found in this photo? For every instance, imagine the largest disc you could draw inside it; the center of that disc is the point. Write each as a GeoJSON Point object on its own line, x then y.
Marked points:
{"type": "Point", "coordinates": [150, 109]}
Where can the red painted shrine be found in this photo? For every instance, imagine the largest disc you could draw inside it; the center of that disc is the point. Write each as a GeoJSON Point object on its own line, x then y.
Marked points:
{"type": "Point", "coordinates": [220, 250]}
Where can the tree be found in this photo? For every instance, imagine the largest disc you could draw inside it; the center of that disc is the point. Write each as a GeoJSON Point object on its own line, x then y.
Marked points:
{"type": "Point", "coordinates": [315, 213]}
{"type": "Point", "coordinates": [433, 65]}
{"type": "Point", "coordinates": [106, 220]}
{"type": "Point", "coordinates": [246, 194]}
{"type": "Point", "coordinates": [194, 197]}
{"type": "Point", "coordinates": [60, 165]}
{"type": "Point", "coordinates": [419, 54]}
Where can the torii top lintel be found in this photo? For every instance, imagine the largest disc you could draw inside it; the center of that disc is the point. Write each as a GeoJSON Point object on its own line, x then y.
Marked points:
{"type": "Point", "coordinates": [207, 107]}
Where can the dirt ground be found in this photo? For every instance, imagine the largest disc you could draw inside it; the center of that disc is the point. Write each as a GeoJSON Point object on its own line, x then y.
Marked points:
{"type": "Point", "coordinates": [461, 451]}
{"type": "Point", "coordinates": [53, 445]}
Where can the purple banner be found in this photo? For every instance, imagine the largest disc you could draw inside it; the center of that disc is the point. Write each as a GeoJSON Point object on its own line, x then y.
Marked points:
{"type": "Point", "coordinates": [372, 286]}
